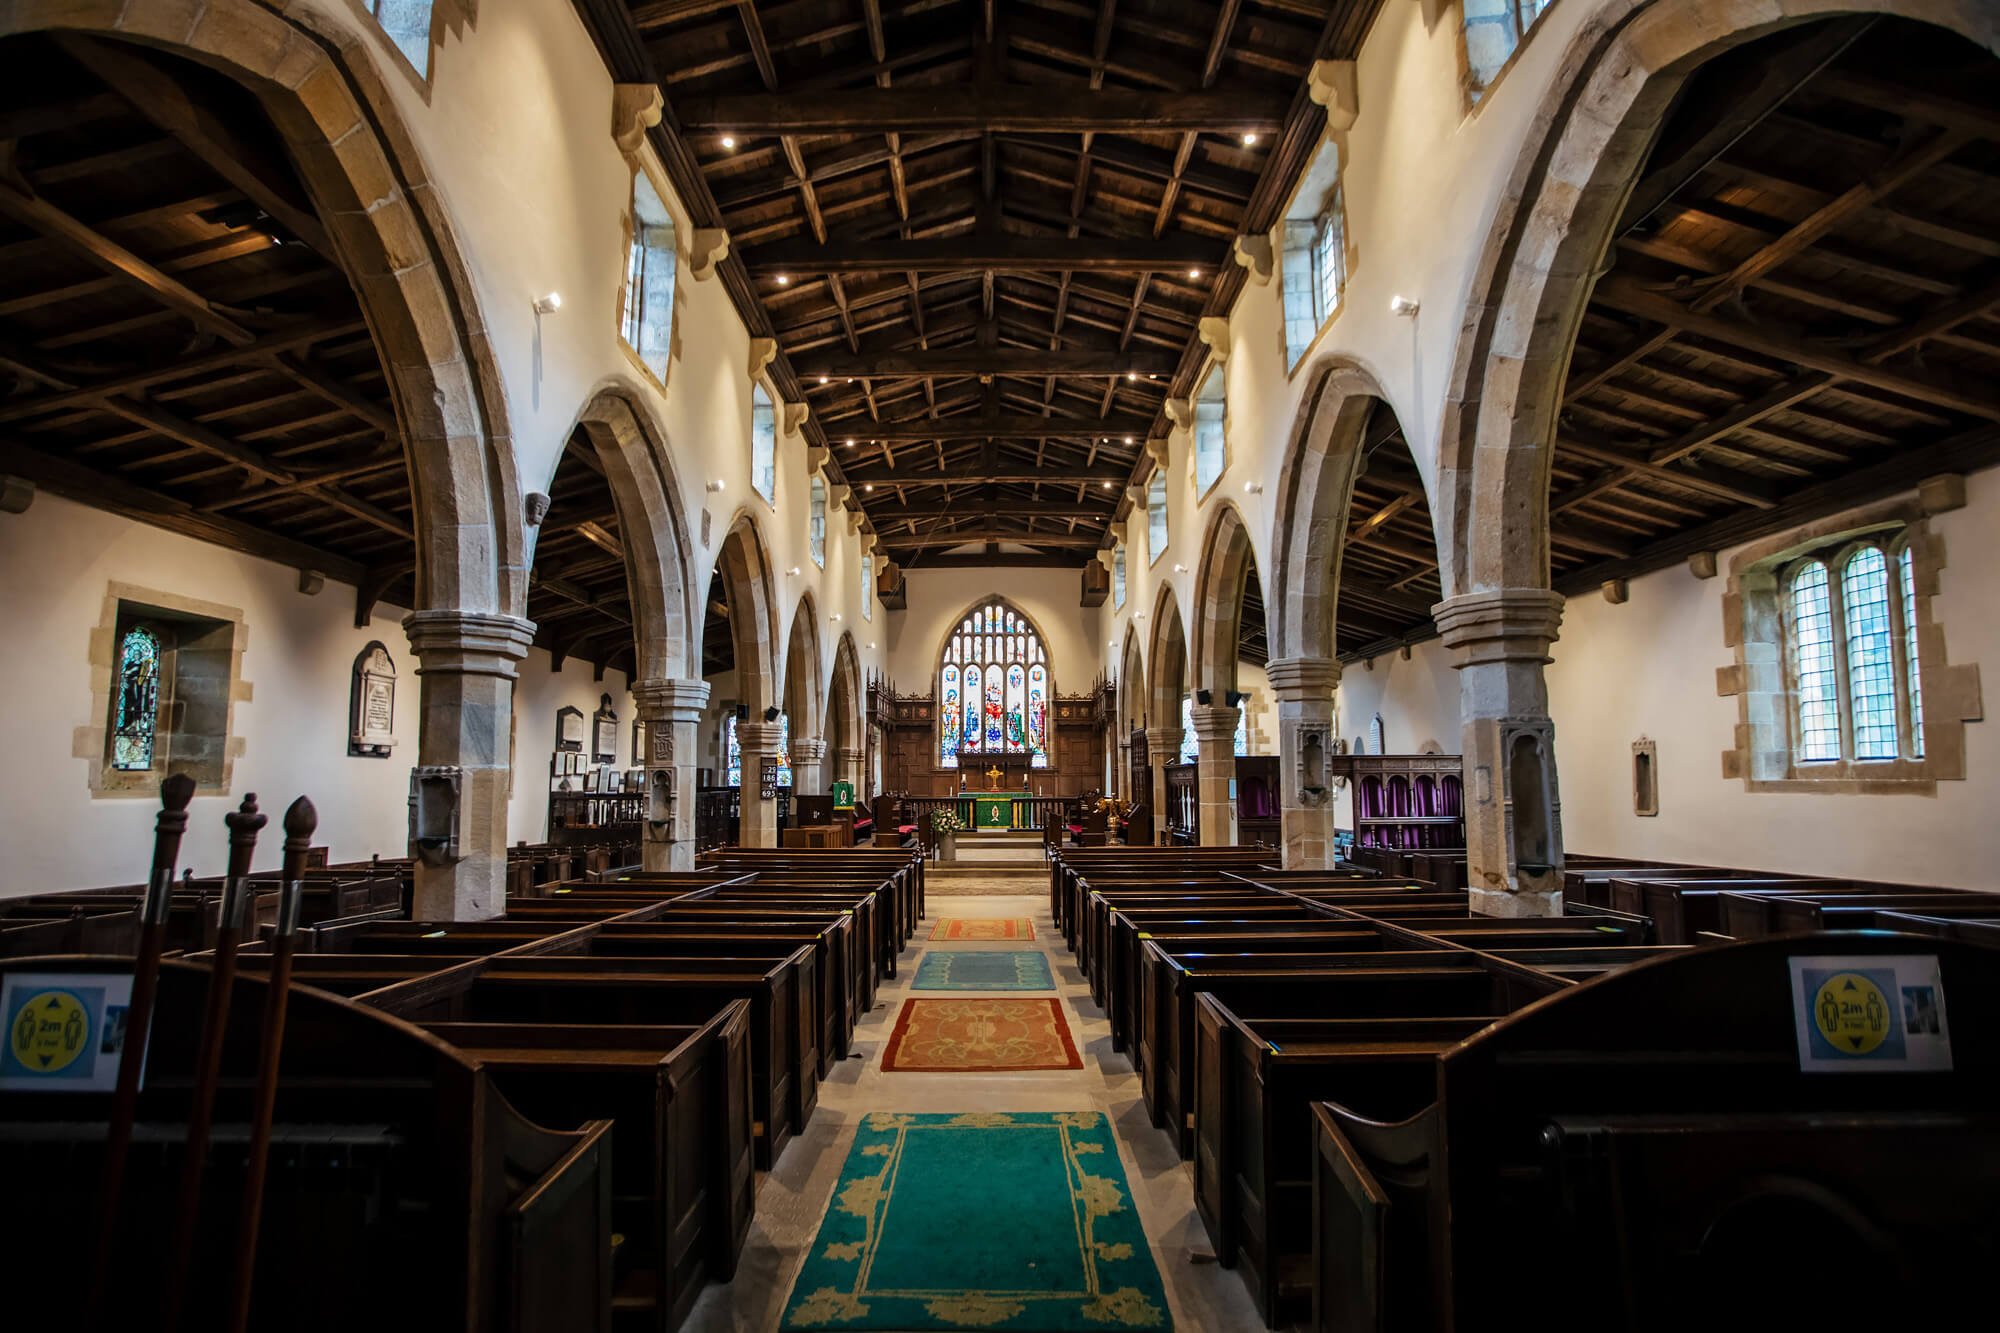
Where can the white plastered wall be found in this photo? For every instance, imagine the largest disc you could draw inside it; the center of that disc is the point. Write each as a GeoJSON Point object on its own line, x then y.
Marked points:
{"type": "Point", "coordinates": [938, 597]}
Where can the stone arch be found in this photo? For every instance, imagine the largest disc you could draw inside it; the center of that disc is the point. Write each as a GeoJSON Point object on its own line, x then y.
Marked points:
{"type": "Point", "coordinates": [1227, 561]}
{"type": "Point", "coordinates": [1166, 664]}
{"type": "Point", "coordinates": [394, 239]}
{"type": "Point", "coordinates": [744, 563]}
{"type": "Point", "coordinates": [1132, 680]}
{"type": "Point", "coordinates": [1583, 153]}
{"type": "Point", "coordinates": [804, 697]}
{"type": "Point", "coordinates": [1315, 491]}
{"type": "Point", "coordinates": [632, 454]}
{"type": "Point", "coordinates": [843, 706]}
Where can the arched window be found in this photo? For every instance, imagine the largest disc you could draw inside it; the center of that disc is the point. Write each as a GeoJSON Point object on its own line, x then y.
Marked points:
{"type": "Point", "coordinates": [763, 444]}
{"type": "Point", "coordinates": [648, 322]}
{"type": "Point", "coordinates": [1156, 516]}
{"type": "Point", "coordinates": [816, 521]}
{"type": "Point", "coordinates": [1851, 648]}
{"type": "Point", "coordinates": [137, 716]}
{"type": "Point", "coordinates": [1314, 270]}
{"type": "Point", "coordinates": [1191, 745]}
{"type": "Point", "coordinates": [993, 689]}
{"type": "Point", "coordinates": [1242, 746]}
{"type": "Point", "coordinates": [867, 587]}
{"type": "Point", "coordinates": [1118, 575]}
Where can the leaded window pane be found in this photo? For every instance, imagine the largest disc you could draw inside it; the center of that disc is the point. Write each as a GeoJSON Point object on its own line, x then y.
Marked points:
{"type": "Point", "coordinates": [1871, 663]}
{"type": "Point", "coordinates": [1907, 566]}
{"type": "Point", "coordinates": [1813, 665]}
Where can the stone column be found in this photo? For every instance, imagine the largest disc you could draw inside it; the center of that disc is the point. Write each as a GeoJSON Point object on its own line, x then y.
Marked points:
{"type": "Point", "coordinates": [808, 766]}
{"type": "Point", "coordinates": [1163, 746]}
{"type": "Point", "coordinates": [671, 710]}
{"type": "Point", "coordinates": [1121, 776]}
{"type": "Point", "coordinates": [465, 706]}
{"type": "Point", "coordinates": [1513, 828]}
{"type": "Point", "coordinates": [1215, 773]}
{"type": "Point", "coordinates": [1305, 688]}
{"type": "Point", "coordinates": [848, 762]}
{"type": "Point", "coordinates": [758, 823]}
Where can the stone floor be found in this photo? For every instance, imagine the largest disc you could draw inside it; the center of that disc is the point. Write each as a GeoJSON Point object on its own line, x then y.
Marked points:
{"type": "Point", "coordinates": [792, 1200]}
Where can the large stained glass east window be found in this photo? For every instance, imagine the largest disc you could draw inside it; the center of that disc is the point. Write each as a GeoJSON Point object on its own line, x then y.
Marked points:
{"type": "Point", "coordinates": [993, 689]}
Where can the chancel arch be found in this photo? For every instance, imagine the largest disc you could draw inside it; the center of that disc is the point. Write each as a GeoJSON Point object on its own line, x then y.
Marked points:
{"type": "Point", "coordinates": [1632, 384]}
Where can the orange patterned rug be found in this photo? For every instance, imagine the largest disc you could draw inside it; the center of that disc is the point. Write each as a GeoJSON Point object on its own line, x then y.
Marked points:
{"type": "Point", "coordinates": [991, 1035]}
{"type": "Point", "coordinates": [975, 929]}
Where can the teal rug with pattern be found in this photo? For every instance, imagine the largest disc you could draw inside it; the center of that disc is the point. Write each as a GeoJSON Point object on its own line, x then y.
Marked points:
{"type": "Point", "coordinates": [972, 969]}
{"type": "Point", "coordinates": [988, 1220]}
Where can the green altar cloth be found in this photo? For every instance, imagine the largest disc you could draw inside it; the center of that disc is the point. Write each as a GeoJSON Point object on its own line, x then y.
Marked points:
{"type": "Point", "coordinates": [993, 809]}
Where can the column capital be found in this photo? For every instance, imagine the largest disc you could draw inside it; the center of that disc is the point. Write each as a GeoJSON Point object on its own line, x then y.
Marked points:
{"type": "Point", "coordinates": [808, 749]}
{"type": "Point", "coordinates": [1501, 625]}
{"type": "Point", "coordinates": [761, 737]}
{"type": "Point", "coordinates": [1162, 742]}
{"type": "Point", "coordinates": [1214, 722]}
{"type": "Point", "coordinates": [472, 642]}
{"type": "Point", "coordinates": [1295, 678]}
{"type": "Point", "coordinates": [666, 699]}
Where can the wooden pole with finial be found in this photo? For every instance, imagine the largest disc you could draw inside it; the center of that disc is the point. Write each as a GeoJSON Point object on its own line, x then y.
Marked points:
{"type": "Point", "coordinates": [301, 822]}
{"type": "Point", "coordinates": [244, 825]}
{"type": "Point", "coordinates": [175, 794]}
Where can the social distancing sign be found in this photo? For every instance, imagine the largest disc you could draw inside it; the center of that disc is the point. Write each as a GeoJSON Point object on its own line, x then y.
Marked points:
{"type": "Point", "coordinates": [65, 1030]}
{"type": "Point", "coordinates": [1870, 1013]}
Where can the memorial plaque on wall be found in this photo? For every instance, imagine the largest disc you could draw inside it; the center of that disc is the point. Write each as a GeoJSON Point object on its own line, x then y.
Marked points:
{"type": "Point", "coordinates": [604, 733]}
{"type": "Point", "coordinates": [767, 780]}
{"type": "Point", "coordinates": [569, 728]}
{"type": "Point", "coordinates": [372, 704]}
{"type": "Point", "coordinates": [638, 740]}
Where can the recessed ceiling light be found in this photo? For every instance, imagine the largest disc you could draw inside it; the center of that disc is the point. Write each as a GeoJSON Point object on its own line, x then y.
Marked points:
{"type": "Point", "coordinates": [869, 487]}
{"type": "Point", "coordinates": [850, 444]}
{"type": "Point", "coordinates": [784, 281]}
{"type": "Point", "coordinates": [1131, 375]}
{"type": "Point", "coordinates": [1128, 439]}
{"type": "Point", "coordinates": [1249, 139]}
{"type": "Point", "coordinates": [1194, 275]}
{"type": "Point", "coordinates": [822, 379]}
{"type": "Point", "coordinates": [728, 141]}
{"type": "Point", "coordinates": [1106, 485]}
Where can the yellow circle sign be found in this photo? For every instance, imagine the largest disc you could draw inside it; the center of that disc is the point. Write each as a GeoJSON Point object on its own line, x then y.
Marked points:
{"type": "Point", "coordinates": [1851, 1012]}
{"type": "Point", "coordinates": [50, 1032]}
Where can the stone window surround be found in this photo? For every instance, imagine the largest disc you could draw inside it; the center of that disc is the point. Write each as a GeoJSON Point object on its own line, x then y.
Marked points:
{"type": "Point", "coordinates": [1334, 196]}
{"type": "Point", "coordinates": [88, 742]}
{"type": "Point", "coordinates": [1759, 679]}
{"type": "Point", "coordinates": [629, 227]}
{"type": "Point", "coordinates": [1474, 93]}
{"type": "Point", "coordinates": [1158, 478]}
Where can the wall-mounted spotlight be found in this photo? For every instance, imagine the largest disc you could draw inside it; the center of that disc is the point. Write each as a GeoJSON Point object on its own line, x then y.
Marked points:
{"type": "Point", "coordinates": [715, 487]}
{"type": "Point", "coordinates": [743, 712]}
{"type": "Point", "coordinates": [834, 618]}
{"type": "Point", "coordinates": [793, 571]}
{"type": "Point", "coordinates": [549, 304]}
{"type": "Point", "coordinates": [1403, 305]}
{"type": "Point", "coordinates": [1204, 698]}
{"type": "Point", "coordinates": [770, 714]}
{"type": "Point", "coordinates": [1234, 697]}
{"type": "Point", "coordinates": [1180, 569]}
{"type": "Point", "coordinates": [1253, 488]}
{"type": "Point", "coordinates": [871, 645]}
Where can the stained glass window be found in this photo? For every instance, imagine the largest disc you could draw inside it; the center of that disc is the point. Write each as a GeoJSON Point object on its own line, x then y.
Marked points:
{"type": "Point", "coordinates": [1812, 665]}
{"type": "Point", "coordinates": [1118, 575]}
{"type": "Point", "coordinates": [1191, 745]}
{"type": "Point", "coordinates": [133, 729]}
{"type": "Point", "coordinates": [1315, 255]}
{"type": "Point", "coordinates": [732, 751]}
{"type": "Point", "coordinates": [1906, 563]}
{"type": "Point", "coordinates": [993, 689]}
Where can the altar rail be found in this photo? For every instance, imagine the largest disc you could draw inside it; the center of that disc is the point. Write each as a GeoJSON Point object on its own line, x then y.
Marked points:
{"type": "Point", "coordinates": [1041, 813]}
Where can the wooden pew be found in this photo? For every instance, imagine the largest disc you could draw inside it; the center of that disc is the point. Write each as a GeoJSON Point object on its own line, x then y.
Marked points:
{"type": "Point", "coordinates": [400, 1174]}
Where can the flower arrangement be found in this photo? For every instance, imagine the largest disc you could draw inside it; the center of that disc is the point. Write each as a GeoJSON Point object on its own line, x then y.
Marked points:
{"type": "Point", "coordinates": [946, 820]}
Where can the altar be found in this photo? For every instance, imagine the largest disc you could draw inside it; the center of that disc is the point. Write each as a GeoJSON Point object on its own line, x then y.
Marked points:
{"type": "Point", "coordinates": [996, 809]}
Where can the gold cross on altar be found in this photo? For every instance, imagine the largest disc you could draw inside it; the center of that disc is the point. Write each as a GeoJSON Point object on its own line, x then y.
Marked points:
{"type": "Point", "coordinates": [993, 778]}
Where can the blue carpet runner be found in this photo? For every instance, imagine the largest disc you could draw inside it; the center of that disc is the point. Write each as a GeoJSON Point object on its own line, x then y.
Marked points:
{"type": "Point", "coordinates": [990, 1220]}
{"type": "Point", "coordinates": [969, 969]}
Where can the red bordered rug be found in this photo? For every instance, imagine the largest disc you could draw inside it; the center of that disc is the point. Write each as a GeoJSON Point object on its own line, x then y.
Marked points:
{"type": "Point", "coordinates": [990, 1035]}
{"type": "Point", "coordinates": [972, 930]}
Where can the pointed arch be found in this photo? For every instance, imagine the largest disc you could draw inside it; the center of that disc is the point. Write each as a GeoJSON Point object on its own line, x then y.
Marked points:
{"type": "Point", "coordinates": [804, 695]}
{"type": "Point", "coordinates": [843, 700]}
{"type": "Point", "coordinates": [1315, 494]}
{"type": "Point", "coordinates": [1227, 563]}
{"type": "Point", "coordinates": [1166, 661]}
{"type": "Point", "coordinates": [1582, 153]}
{"type": "Point", "coordinates": [1132, 696]}
{"type": "Point", "coordinates": [388, 223]}
{"type": "Point", "coordinates": [744, 563]}
{"type": "Point", "coordinates": [1031, 693]}
{"type": "Point", "coordinates": [631, 452]}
